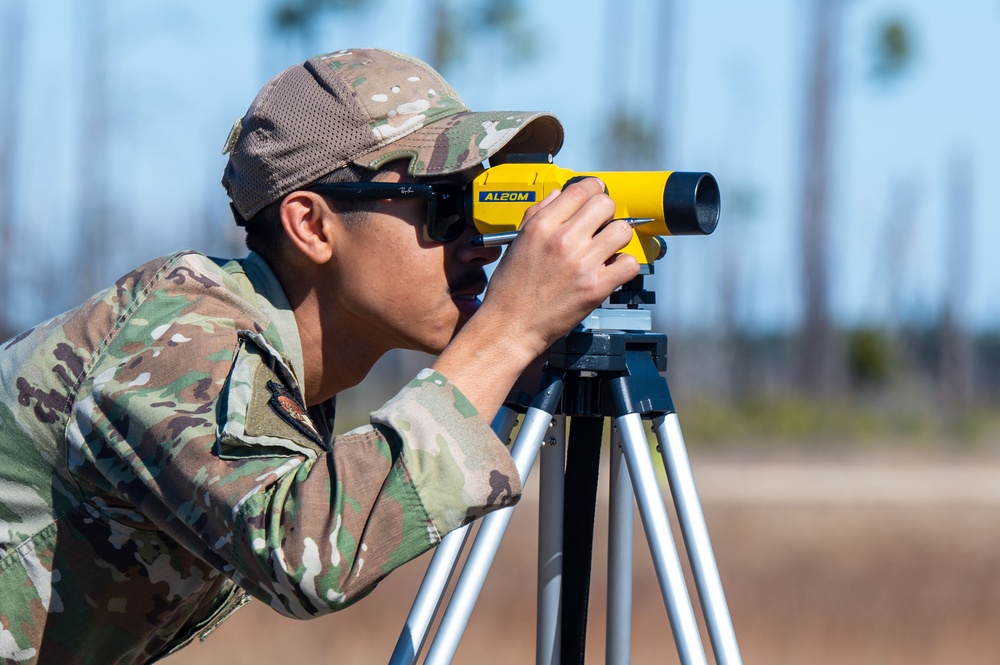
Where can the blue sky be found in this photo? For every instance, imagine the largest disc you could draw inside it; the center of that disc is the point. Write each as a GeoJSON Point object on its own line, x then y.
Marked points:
{"type": "Point", "coordinates": [729, 80]}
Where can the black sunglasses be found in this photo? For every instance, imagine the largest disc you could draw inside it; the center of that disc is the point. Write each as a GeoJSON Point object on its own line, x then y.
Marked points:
{"type": "Point", "coordinates": [446, 219]}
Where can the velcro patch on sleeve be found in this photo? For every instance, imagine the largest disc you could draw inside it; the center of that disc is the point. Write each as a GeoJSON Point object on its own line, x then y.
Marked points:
{"type": "Point", "coordinates": [261, 415]}
{"type": "Point", "coordinates": [290, 409]}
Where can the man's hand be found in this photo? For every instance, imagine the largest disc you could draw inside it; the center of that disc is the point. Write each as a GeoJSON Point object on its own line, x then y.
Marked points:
{"type": "Point", "coordinates": [563, 265]}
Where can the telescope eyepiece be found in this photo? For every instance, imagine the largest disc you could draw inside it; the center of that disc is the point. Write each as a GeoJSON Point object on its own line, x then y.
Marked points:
{"type": "Point", "coordinates": [691, 203]}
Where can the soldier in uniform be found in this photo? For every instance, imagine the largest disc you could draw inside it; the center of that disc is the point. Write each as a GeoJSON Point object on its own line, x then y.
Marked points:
{"type": "Point", "coordinates": [167, 448]}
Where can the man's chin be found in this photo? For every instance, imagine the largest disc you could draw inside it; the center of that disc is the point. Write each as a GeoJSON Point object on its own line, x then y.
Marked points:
{"type": "Point", "coordinates": [466, 308]}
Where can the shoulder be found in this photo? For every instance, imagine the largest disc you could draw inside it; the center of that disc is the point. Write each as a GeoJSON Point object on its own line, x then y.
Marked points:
{"type": "Point", "coordinates": [185, 289]}
{"type": "Point", "coordinates": [190, 272]}
{"type": "Point", "coordinates": [45, 366]}
{"type": "Point", "coordinates": [183, 307]}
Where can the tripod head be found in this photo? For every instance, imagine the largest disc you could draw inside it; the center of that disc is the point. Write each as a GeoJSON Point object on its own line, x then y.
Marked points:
{"type": "Point", "coordinates": [633, 294]}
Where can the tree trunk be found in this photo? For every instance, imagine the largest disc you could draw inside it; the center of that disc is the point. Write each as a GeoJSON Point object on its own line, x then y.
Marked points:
{"type": "Point", "coordinates": [818, 357]}
{"type": "Point", "coordinates": [957, 385]}
{"type": "Point", "coordinates": [95, 225]}
{"type": "Point", "coordinates": [12, 44]}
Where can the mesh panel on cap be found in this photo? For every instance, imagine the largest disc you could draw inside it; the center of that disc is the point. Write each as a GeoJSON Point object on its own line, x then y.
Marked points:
{"type": "Point", "coordinates": [300, 130]}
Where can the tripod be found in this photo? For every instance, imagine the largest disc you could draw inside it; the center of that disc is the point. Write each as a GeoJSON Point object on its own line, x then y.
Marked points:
{"type": "Point", "coordinates": [591, 374]}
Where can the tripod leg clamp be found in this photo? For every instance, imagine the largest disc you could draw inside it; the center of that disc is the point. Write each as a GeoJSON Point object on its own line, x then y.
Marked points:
{"type": "Point", "coordinates": [642, 389]}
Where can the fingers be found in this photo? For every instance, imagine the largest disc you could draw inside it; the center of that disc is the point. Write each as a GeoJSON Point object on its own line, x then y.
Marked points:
{"type": "Point", "coordinates": [613, 236]}
{"type": "Point", "coordinates": [584, 204]}
{"type": "Point", "coordinates": [579, 211]}
{"type": "Point", "coordinates": [535, 209]}
{"type": "Point", "coordinates": [620, 269]}
{"type": "Point", "coordinates": [585, 196]}
{"type": "Point", "coordinates": [574, 226]}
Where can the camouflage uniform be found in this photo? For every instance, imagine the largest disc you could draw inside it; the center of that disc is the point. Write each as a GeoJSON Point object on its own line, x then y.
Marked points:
{"type": "Point", "coordinates": [157, 466]}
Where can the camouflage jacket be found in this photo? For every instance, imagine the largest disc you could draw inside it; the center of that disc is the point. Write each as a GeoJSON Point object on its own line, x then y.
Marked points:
{"type": "Point", "coordinates": [157, 466]}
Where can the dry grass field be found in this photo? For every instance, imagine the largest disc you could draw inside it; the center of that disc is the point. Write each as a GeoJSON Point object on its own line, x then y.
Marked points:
{"type": "Point", "coordinates": [868, 560]}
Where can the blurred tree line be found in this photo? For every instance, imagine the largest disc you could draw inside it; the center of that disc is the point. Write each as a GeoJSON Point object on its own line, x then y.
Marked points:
{"type": "Point", "coordinates": [938, 357]}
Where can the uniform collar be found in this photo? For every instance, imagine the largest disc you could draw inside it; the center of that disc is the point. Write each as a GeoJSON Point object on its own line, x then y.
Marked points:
{"type": "Point", "coordinates": [271, 298]}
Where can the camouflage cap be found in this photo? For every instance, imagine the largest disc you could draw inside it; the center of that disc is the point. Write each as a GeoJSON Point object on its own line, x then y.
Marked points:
{"type": "Point", "coordinates": [367, 107]}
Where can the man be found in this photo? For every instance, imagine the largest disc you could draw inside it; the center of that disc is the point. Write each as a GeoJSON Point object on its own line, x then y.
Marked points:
{"type": "Point", "coordinates": [166, 449]}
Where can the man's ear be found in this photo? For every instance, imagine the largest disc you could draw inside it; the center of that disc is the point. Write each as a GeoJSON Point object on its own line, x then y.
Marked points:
{"type": "Point", "coordinates": [307, 218]}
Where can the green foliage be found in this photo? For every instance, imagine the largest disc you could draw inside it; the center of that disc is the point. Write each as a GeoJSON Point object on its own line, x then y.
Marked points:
{"type": "Point", "coordinates": [296, 16]}
{"type": "Point", "coordinates": [453, 26]}
{"type": "Point", "coordinates": [893, 50]}
{"type": "Point", "coordinates": [457, 25]}
{"type": "Point", "coordinates": [869, 358]}
{"type": "Point", "coordinates": [793, 422]}
{"type": "Point", "coordinates": [445, 37]}
{"type": "Point", "coordinates": [784, 420]}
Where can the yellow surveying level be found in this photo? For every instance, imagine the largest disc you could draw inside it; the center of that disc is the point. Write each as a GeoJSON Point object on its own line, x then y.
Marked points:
{"type": "Point", "coordinates": [672, 202]}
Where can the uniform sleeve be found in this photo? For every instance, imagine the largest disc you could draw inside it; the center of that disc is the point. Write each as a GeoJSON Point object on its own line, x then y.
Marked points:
{"type": "Point", "coordinates": [225, 460]}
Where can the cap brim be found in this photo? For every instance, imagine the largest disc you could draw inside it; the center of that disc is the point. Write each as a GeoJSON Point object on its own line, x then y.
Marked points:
{"type": "Point", "coordinates": [466, 139]}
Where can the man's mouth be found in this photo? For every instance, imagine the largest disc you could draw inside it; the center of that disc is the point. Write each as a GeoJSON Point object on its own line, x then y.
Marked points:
{"type": "Point", "coordinates": [467, 301]}
{"type": "Point", "coordinates": [469, 294]}
{"type": "Point", "coordinates": [469, 287]}
{"type": "Point", "coordinates": [466, 297]}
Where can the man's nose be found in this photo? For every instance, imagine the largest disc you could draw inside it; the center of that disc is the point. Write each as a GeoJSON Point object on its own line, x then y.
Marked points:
{"type": "Point", "coordinates": [468, 253]}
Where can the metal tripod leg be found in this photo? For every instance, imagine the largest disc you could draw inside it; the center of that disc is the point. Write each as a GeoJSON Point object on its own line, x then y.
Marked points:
{"type": "Point", "coordinates": [439, 573]}
{"type": "Point", "coordinates": [621, 504]}
{"type": "Point", "coordinates": [551, 482]}
{"type": "Point", "coordinates": [699, 546]}
{"type": "Point", "coordinates": [661, 542]}
{"type": "Point", "coordinates": [537, 421]}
